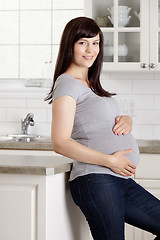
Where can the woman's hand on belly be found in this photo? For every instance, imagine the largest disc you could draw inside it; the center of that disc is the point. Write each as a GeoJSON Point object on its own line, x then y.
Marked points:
{"type": "Point", "coordinates": [123, 125]}
{"type": "Point", "coordinates": [121, 165]}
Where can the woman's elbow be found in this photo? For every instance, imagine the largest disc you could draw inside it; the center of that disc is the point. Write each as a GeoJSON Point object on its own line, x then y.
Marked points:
{"type": "Point", "coordinates": [58, 146]}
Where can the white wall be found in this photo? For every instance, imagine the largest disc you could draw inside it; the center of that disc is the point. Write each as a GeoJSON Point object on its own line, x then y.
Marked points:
{"type": "Point", "coordinates": [144, 90]}
{"type": "Point", "coordinates": [30, 36]}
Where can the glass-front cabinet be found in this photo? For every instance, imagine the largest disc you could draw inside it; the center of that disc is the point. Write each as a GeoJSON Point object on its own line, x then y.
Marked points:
{"type": "Point", "coordinates": [131, 32]}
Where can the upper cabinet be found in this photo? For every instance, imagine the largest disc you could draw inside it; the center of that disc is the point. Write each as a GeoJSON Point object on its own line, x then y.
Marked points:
{"type": "Point", "coordinates": [131, 32]}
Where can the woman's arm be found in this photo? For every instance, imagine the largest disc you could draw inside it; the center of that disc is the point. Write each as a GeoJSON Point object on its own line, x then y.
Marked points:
{"type": "Point", "coordinates": [123, 125]}
{"type": "Point", "coordinates": [63, 112]}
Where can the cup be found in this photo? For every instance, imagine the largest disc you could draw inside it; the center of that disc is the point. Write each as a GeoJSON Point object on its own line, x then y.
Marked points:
{"type": "Point", "coordinates": [123, 9]}
{"type": "Point", "coordinates": [123, 18]}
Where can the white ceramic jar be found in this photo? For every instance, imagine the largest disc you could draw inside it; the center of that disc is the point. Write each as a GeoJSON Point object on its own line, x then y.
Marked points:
{"type": "Point", "coordinates": [122, 50]}
{"type": "Point", "coordinates": [108, 50]}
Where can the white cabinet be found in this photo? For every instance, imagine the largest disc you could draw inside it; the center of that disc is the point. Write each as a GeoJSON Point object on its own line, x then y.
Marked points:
{"type": "Point", "coordinates": [132, 44]}
{"type": "Point", "coordinates": [34, 207]}
{"type": "Point", "coordinates": [17, 202]}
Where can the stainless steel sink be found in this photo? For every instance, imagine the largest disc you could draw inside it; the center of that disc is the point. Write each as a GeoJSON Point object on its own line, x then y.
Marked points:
{"type": "Point", "coordinates": [24, 138]}
{"type": "Point", "coordinates": [40, 139]}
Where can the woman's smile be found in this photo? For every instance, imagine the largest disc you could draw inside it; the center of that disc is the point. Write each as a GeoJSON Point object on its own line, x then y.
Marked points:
{"type": "Point", "coordinates": [88, 57]}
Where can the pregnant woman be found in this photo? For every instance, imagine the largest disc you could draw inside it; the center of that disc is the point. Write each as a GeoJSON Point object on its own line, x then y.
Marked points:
{"type": "Point", "coordinates": [86, 127]}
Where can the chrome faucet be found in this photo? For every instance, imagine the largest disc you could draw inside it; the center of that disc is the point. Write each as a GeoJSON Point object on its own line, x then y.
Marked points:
{"type": "Point", "coordinates": [26, 122]}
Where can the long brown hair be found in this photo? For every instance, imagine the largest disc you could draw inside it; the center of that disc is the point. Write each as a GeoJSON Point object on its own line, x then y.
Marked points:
{"type": "Point", "coordinates": [80, 27]}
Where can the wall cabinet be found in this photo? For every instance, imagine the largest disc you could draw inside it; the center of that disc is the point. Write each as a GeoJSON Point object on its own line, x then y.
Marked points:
{"type": "Point", "coordinates": [131, 33]}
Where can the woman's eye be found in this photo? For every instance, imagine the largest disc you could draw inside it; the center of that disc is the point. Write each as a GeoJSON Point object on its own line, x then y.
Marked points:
{"type": "Point", "coordinates": [82, 43]}
{"type": "Point", "coordinates": [96, 43]}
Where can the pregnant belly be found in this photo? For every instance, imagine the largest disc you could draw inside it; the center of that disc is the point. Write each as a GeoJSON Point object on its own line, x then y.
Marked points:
{"type": "Point", "coordinates": [110, 143]}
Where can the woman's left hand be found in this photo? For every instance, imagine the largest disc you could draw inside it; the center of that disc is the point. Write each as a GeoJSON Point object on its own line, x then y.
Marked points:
{"type": "Point", "coordinates": [123, 125]}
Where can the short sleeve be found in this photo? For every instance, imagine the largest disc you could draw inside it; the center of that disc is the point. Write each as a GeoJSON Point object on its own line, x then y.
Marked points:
{"type": "Point", "coordinates": [66, 85]}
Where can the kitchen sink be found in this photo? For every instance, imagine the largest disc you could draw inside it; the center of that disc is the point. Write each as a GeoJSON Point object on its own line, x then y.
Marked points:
{"type": "Point", "coordinates": [40, 139]}
{"type": "Point", "coordinates": [24, 138]}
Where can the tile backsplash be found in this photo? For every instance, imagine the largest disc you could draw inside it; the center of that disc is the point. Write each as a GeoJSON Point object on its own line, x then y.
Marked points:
{"type": "Point", "coordinates": [30, 35]}
{"type": "Point", "coordinates": [143, 90]}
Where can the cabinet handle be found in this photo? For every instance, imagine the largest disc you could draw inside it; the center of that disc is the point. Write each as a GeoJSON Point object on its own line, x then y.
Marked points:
{"type": "Point", "coordinates": [143, 65]}
{"type": "Point", "coordinates": [152, 65]}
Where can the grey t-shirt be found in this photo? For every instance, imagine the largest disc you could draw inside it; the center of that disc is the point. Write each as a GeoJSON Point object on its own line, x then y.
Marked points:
{"type": "Point", "coordinates": [93, 125]}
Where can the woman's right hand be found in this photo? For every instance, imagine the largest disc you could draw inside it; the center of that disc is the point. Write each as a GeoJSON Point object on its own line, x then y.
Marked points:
{"type": "Point", "coordinates": [121, 165]}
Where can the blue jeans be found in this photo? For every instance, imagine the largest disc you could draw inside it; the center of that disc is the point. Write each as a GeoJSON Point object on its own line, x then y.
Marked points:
{"type": "Point", "coordinates": [108, 202]}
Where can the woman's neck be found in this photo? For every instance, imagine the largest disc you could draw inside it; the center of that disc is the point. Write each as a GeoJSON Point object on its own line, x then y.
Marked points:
{"type": "Point", "coordinates": [81, 78]}
{"type": "Point", "coordinates": [78, 73]}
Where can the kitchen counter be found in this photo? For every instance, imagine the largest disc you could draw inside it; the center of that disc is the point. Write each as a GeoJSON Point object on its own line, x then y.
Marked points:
{"type": "Point", "coordinates": [34, 165]}
{"type": "Point", "coordinates": [145, 146]}
{"type": "Point", "coordinates": [149, 146]}
{"type": "Point", "coordinates": [35, 189]}
{"type": "Point", "coordinates": [48, 164]}
{"type": "Point", "coordinates": [45, 146]}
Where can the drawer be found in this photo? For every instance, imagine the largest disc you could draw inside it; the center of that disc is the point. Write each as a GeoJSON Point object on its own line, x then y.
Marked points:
{"type": "Point", "coordinates": [149, 167]}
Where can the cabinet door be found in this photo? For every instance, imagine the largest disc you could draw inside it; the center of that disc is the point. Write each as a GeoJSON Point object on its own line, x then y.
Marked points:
{"type": "Point", "coordinates": [18, 212]}
{"type": "Point", "coordinates": [154, 35]}
{"type": "Point", "coordinates": [152, 186]}
{"type": "Point", "coordinates": [125, 26]}
{"type": "Point", "coordinates": [148, 167]}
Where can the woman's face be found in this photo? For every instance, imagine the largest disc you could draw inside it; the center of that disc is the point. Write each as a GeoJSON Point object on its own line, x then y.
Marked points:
{"type": "Point", "coordinates": [86, 51]}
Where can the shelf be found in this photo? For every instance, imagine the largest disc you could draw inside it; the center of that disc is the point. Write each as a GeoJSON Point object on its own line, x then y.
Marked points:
{"type": "Point", "coordinates": [107, 29]}
{"type": "Point", "coordinates": [120, 29]}
{"type": "Point", "coordinates": [129, 29]}
{"type": "Point", "coordinates": [120, 59]}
